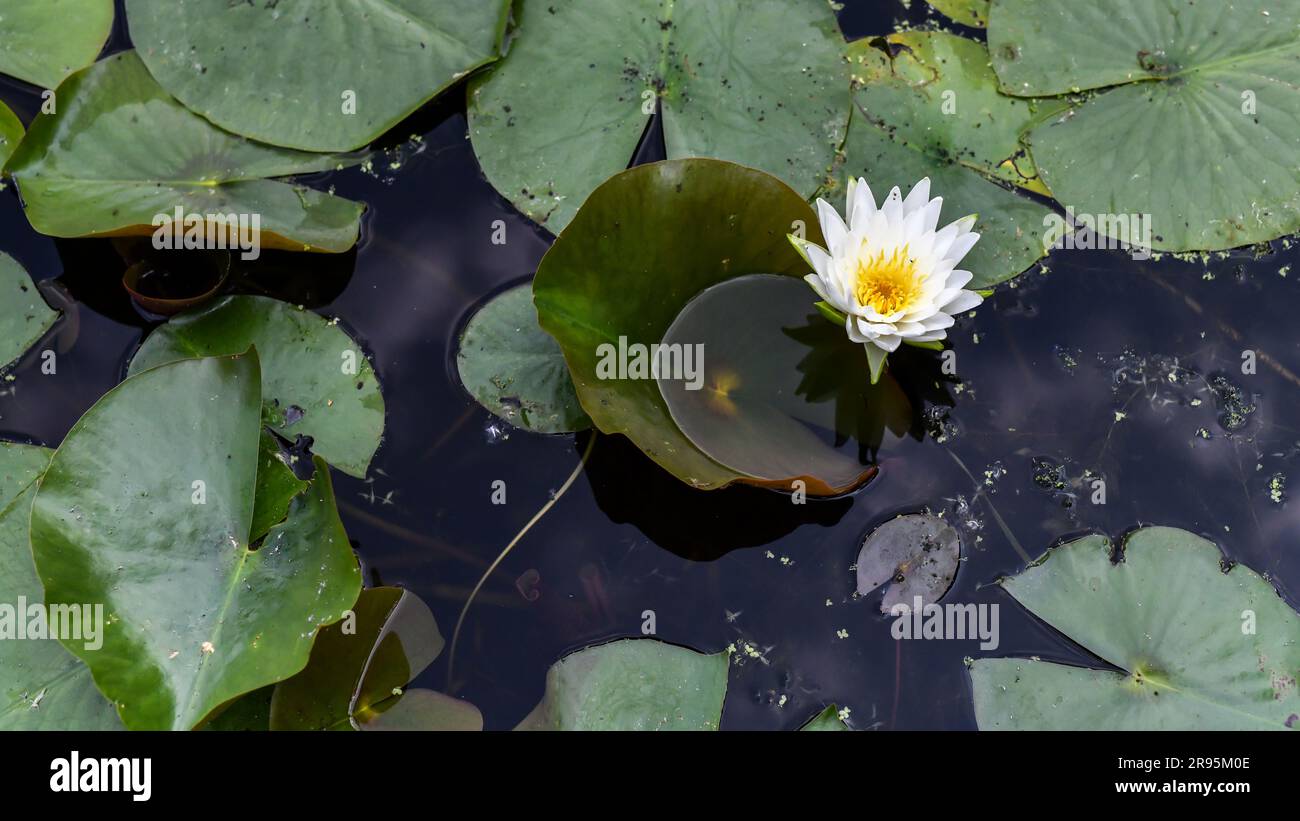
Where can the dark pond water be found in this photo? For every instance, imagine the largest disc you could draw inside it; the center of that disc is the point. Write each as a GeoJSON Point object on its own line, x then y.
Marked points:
{"type": "Point", "coordinates": [1100, 366]}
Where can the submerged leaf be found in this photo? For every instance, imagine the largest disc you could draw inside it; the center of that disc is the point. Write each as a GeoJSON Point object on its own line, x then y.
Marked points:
{"type": "Point", "coordinates": [633, 684]}
{"type": "Point", "coordinates": [515, 369]}
{"type": "Point", "coordinates": [759, 82]}
{"type": "Point", "coordinates": [148, 508]}
{"type": "Point", "coordinates": [645, 243]}
{"type": "Point", "coordinates": [316, 380]}
{"type": "Point", "coordinates": [24, 316]}
{"type": "Point", "coordinates": [1196, 648]}
{"type": "Point", "coordinates": [917, 554]}
{"type": "Point", "coordinates": [119, 151]}
{"type": "Point", "coordinates": [1197, 136]}
{"type": "Point", "coordinates": [318, 75]}
{"type": "Point", "coordinates": [43, 42]}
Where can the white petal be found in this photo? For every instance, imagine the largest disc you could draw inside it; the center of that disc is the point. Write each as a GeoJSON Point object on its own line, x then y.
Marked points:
{"type": "Point", "coordinates": [889, 343]}
{"type": "Point", "coordinates": [932, 336]}
{"type": "Point", "coordinates": [932, 214]}
{"type": "Point", "coordinates": [962, 244]}
{"type": "Point", "coordinates": [964, 301]}
{"type": "Point", "coordinates": [861, 205]}
{"type": "Point", "coordinates": [958, 279]}
{"type": "Point", "coordinates": [833, 228]}
{"type": "Point", "coordinates": [816, 283]}
{"type": "Point", "coordinates": [851, 328]}
{"type": "Point", "coordinates": [918, 197]}
{"type": "Point", "coordinates": [937, 322]}
{"type": "Point", "coordinates": [893, 207]}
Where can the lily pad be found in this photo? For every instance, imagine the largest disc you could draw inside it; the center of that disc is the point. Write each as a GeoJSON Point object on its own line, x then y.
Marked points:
{"type": "Point", "coordinates": [917, 554]}
{"type": "Point", "coordinates": [827, 720]}
{"type": "Point", "coordinates": [288, 76]}
{"type": "Point", "coordinates": [515, 369]}
{"type": "Point", "coordinates": [42, 685]}
{"type": "Point", "coordinates": [760, 82]}
{"type": "Point", "coordinates": [11, 133]}
{"type": "Point", "coordinates": [1198, 129]}
{"type": "Point", "coordinates": [359, 670]}
{"type": "Point", "coordinates": [1195, 647]}
{"type": "Point", "coordinates": [119, 152]}
{"type": "Point", "coordinates": [973, 13]}
{"type": "Point", "coordinates": [633, 684]}
{"type": "Point", "coordinates": [316, 380]}
{"type": "Point", "coordinates": [24, 316]}
{"type": "Point", "coordinates": [277, 485]}
{"type": "Point", "coordinates": [42, 43]}
{"type": "Point", "coordinates": [147, 507]}
{"type": "Point", "coordinates": [740, 405]}
{"type": "Point", "coordinates": [927, 105]}
{"type": "Point", "coordinates": [645, 243]}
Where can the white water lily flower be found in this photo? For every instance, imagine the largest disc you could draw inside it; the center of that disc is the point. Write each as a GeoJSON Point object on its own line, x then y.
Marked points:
{"type": "Point", "coordinates": [888, 273]}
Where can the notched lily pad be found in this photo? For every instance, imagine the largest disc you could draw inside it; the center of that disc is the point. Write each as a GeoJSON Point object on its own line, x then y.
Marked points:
{"type": "Point", "coordinates": [119, 152]}
{"type": "Point", "coordinates": [359, 670]}
{"type": "Point", "coordinates": [11, 133]}
{"type": "Point", "coordinates": [633, 684]}
{"type": "Point", "coordinates": [916, 554]}
{"type": "Point", "coordinates": [318, 75]}
{"type": "Point", "coordinates": [973, 13]}
{"type": "Point", "coordinates": [1196, 648]}
{"type": "Point", "coordinates": [1195, 132]}
{"type": "Point", "coordinates": [24, 316]}
{"type": "Point", "coordinates": [927, 105]}
{"type": "Point", "coordinates": [42, 685]}
{"type": "Point", "coordinates": [148, 508]}
{"type": "Point", "coordinates": [759, 82]}
{"type": "Point", "coordinates": [316, 379]}
{"type": "Point", "coordinates": [515, 369]}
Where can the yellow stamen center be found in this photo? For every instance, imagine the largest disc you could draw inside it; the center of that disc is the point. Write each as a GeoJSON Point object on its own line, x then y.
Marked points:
{"type": "Point", "coordinates": [887, 283]}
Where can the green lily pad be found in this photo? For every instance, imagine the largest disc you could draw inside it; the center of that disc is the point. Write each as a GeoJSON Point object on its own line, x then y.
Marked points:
{"type": "Point", "coordinates": [515, 369]}
{"type": "Point", "coordinates": [916, 554]}
{"type": "Point", "coordinates": [24, 316]}
{"type": "Point", "coordinates": [973, 13]}
{"type": "Point", "coordinates": [42, 685]}
{"type": "Point", "coordinates": [761, 82]}
{"type": "Point", "coordinates": [283, 79]}
{"type": "Point", "coordinates": [277, 485]}
{"type": "Point", "coordinates": [42, 43]}
{"type": "Point", "coordinates": [11, 133]}
{"type": "Point", "coordinates": [359, 670]}
{"type": "Point", "coordinates": [119, 151]}
{"type": "Point", "coordinates": [1198, 131]}
{"type": "Point", "coordinates": [740, 403]}
{"type": "Point", "coordinates": [645, 243]}
{"type": "Point", "coordinates": [633, 684]}
{"type": "Point", "coordinates": [901, 132]}
{"type": "Point", "coordinates": [1196, 648]}
{"type": "Point", "coordinates": [827, 720]}
{"type": "Point", "coordinates": [316, 380]}
{"type": "Point", "coordinates": [194, 617]}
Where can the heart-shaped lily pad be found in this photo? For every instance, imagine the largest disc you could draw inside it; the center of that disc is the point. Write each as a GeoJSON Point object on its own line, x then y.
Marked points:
{"type": "Point", "coordinates": [43, 42]}
{"type": "Point", "coordinates": [731, 379]}
{"type": "Point", "coordinates": [11, 133]}
{"type": "Point", "coordinates": [147, 507]}
{"type": "Point", "coordinates": [24, 316]}
{"type": "Point", "coordinates": [515, 369]}
{"type": "Point", "coordinates": [1198, 134]}
{"type": "Point", "coordinates": [633, 684]}
{"type": "Point", "coordinates": [118, 153]}
{"type": "Point", "coordinates": [973, 13]}
{"type": "Point", "coordinates": [316, 380]}
{"type": "Point", "coordinates": [917, 554]}
{"type": "Point", "coordinates": [1196, 648]}
{"type": "Point", "coordinates": [318, 75]}
{"type": "Point", "coordinates": [645, 243]}
{"type": "Point", "coordinates": [359, 670]}
{"type": "Point", "coordinates": [42, 685]}
{"type": "Point", "coordinates": [928, 106]}
{"type": "Point", "coordinates": [760, 82]}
